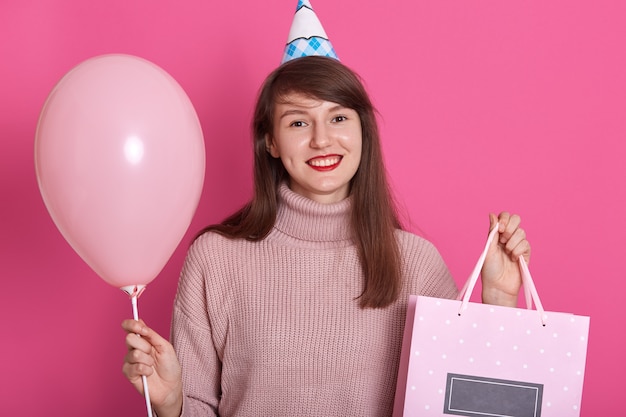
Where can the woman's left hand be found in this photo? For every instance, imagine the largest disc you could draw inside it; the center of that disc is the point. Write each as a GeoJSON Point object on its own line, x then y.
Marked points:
{"type": "Point", "coordinates": [501, 276]}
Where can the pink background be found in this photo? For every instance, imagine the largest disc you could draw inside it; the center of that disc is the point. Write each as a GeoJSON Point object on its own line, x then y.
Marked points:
{"type": "Point", "coordinates": [485, 105]}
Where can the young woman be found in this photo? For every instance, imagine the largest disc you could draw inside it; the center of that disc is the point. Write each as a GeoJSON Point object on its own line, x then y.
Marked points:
{"type": "Point", "coordinates": [295, 304]}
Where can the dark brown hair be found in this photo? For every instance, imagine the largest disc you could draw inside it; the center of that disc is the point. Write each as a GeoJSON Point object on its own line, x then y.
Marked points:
{"type": "Point", "coordinates": [374, 219]}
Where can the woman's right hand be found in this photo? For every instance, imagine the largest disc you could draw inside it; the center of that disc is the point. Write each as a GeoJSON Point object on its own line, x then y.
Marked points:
{"type": "Point", "coordinates": [151, 355]}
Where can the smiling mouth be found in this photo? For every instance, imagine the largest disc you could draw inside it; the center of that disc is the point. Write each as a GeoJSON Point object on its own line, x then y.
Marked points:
{"type": "Point", "coordinates": [325, 162]}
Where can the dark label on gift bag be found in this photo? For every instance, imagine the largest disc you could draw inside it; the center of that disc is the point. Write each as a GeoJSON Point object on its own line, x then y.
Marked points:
{"type": "Point", "coordinates": [477, 396]}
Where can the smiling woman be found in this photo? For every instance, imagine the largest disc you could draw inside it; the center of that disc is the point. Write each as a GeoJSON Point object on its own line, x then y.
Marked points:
{"type": "Point", "coordinates": [319, 103]}
{"type": "Point", "coordinates": [300, 297]}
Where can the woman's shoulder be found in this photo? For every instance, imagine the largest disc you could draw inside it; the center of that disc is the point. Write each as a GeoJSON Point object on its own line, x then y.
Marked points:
{"type": "Point", "coordinates": [211, 242]}
{"type": "Point", "coordinates": [425, 268]}
{"type": "Point", "coordinates": [410, 241]}
{"type": "Point", "coordinates": [209, 237]}
{"type": "Point", "coordinates": [214, 237]}
{"type": "Point", "coordinates": [418, 252]}
{"type": "Point", "coordinates": [209, 259]}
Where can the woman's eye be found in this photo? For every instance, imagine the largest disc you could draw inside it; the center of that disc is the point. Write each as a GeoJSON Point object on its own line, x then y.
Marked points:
{"type": "Point", "coordinates": [340, 119]}
{"type": "Point", "coordinates": [297, 123]}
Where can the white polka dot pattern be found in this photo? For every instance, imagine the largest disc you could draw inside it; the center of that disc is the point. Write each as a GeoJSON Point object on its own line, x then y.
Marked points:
{"type": "Point", "coordinates": [494, 342]}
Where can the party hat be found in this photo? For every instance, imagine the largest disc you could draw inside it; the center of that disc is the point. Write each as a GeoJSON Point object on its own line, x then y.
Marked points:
{"type": "Point", "coordinates": [307, 36]}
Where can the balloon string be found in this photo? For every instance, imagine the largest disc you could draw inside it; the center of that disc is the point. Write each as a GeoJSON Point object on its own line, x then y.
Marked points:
{"type": "Point", "coordinates": [144, 379]}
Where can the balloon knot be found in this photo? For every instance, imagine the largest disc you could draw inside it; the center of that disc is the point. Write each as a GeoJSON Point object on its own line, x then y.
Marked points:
{"type": "Point", "coordinates": [133, 291]}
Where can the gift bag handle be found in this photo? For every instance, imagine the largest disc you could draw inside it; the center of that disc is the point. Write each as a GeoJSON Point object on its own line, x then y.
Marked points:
{"type": "Point", "coordinates": [530, 290]}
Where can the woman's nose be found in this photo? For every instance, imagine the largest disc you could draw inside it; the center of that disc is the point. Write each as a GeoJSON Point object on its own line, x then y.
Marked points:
{"type": "Point", "coordinates": [320, 137]}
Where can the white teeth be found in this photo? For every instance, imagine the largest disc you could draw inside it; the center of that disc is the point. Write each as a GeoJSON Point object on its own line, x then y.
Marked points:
{"type": "Point", "coordinates": [324, 162]}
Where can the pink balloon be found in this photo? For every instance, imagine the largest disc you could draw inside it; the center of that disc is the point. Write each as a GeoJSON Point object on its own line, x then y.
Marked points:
{"type": "Point", "coordinates": [120, 161]}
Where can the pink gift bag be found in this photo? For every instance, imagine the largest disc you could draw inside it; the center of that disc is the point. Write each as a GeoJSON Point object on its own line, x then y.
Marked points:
{"type": "Point", "coordinates": [471, 359]}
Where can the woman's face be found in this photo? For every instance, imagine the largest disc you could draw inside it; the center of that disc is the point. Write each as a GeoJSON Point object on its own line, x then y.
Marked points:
{"type": "Point", "coordinates": [319, 143]}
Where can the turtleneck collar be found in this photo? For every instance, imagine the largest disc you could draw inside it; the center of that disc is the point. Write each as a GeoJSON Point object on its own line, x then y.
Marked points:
{"type": "Point", "coordinates": [308, 220]}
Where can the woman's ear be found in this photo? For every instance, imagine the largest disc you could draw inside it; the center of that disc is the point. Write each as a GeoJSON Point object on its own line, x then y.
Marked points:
{"type": "Point", "coordinates": [270, 147]}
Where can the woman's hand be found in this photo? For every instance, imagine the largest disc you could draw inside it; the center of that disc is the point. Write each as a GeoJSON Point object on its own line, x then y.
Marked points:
{"type": "Point", "coordinates": [501, 276]}
{"type": "Point", "coordinates": [151, 355]}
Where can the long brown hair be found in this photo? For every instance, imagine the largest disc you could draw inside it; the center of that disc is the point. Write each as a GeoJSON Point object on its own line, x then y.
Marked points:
{"type": "Point", "coordinates": [374, 219]}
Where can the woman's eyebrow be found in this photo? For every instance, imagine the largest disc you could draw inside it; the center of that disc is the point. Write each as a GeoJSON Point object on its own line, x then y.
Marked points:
{"type": "Point", "coordinates": [298, 111]}
{"type": "Point", "coordinates": [337, 108]}
{"type": "Point", "coordinates": [291, 112]}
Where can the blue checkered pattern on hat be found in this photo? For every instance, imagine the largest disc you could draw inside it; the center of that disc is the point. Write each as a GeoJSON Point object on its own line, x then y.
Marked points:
{"type": "Point", "coordinates": [305, 47]}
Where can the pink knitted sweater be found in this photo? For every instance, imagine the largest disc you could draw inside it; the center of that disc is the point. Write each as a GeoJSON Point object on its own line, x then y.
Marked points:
{"type": "Point", "coordinates": [273, 328]}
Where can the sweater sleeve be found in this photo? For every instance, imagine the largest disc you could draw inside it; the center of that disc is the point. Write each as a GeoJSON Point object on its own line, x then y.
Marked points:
{"type": "Point", "coordinates": [191, 336]}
